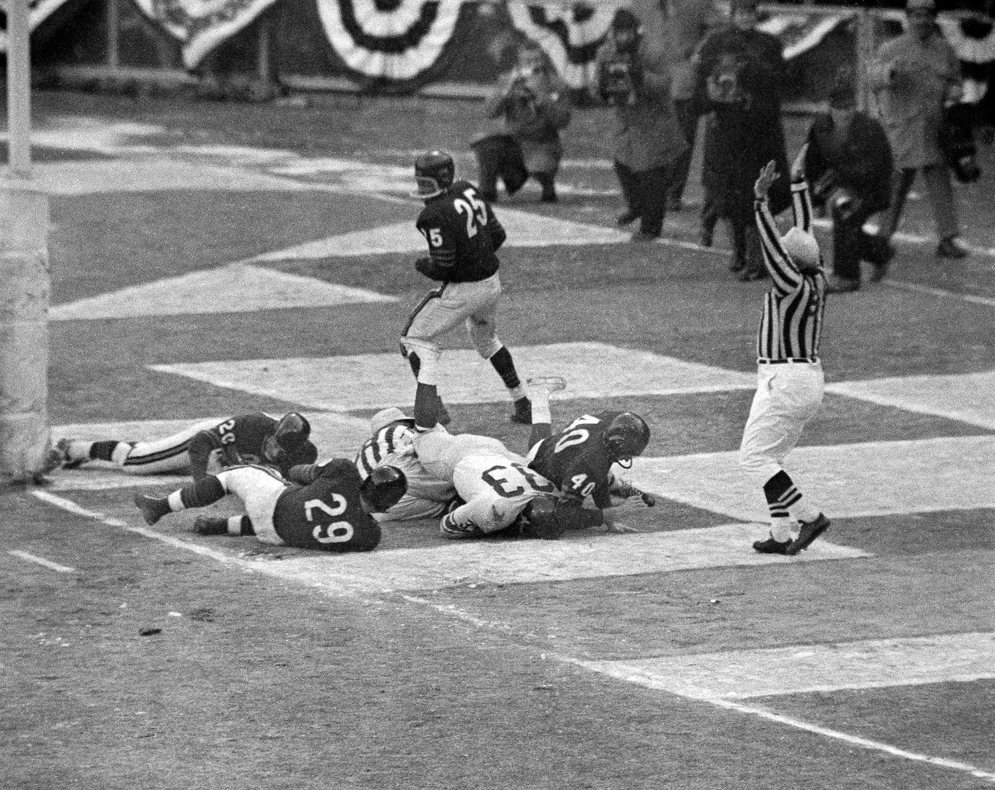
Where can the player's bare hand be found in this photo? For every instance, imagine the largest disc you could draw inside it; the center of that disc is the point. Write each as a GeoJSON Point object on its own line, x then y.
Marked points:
{"type": "Point", "coordinates": [768, 175]}
{"type": "Point", "coordinates": [798, 166]}
{"type": "Point", "coordinates": [620, 528]}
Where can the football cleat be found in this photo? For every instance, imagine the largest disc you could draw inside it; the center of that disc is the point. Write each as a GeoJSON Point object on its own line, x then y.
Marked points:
{"type": "Point", "coordinates": [809, 531]}
{"type": "Point", "coordinates": [211, 525]}
{"type": "Point", "coordinates": [771, 546]}
{"type": "Point", "coordinates": [450, 529]}
{"type": "Point", "coordinates": [152, 508]}
{"type": "Point", "coordinates": [549, 383]}
{"type": "Point", "coordinates": [68, 462]}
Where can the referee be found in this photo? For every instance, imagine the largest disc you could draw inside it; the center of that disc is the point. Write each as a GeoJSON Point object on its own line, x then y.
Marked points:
{"type": "Point", "coordinates": [790, 380]}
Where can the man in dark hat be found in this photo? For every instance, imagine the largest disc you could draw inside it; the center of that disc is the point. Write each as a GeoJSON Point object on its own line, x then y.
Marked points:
{"type": "Point", "coordinates": [849, 163]}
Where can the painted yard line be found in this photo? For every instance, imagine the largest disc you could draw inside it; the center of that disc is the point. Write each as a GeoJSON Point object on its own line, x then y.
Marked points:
{"type": "Point", "coordinates": [529, 562]}
{"type": "Point", "coordinates": [343, 383]}
{"type": "Point", "coordinates": [452, 611]}
{"type": "Point", "coordinates": [965, 397]}
{"type": "Point", "coordinates": [846, 481]}
{"type": "Point", "coordinates": [245, 288]}
{"type": "Point", "coordinates": [41, 561]}
{"type": "Point", "coordinates": [806, 669]}
{"type": "Point", "coordinates": [915, 287]}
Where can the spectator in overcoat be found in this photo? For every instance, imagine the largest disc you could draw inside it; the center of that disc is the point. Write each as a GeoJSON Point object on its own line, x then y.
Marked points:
{"type": "Point", "coordinates": [636, 80]}
{"type": "Point", "coordinates": [914, 77]}
{"type": "Point", "coordinates": [849, 166]}
{"type": "Point", "coordinates": [739, 77]}
{"type": "Point", "coordinates": [526, 111]}
{"type": "Point", "coordinates": [685, 23]}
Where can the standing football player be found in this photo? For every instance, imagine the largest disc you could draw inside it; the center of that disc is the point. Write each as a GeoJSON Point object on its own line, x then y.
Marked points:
{"type": "Point", "coordinates": [463, 236]}
{"type": "Point", "coordinates": [255, 438]}
{"type": "Point", "coordinates": [324, 506]}
{"type": "Point", "coordinates": [790, 379]}
{"type": "Point", "coordinates": [579, 459]}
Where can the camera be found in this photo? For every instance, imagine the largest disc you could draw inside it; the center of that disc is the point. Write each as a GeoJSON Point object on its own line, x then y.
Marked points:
{"type": "Point", "coordinates": [618, 86]}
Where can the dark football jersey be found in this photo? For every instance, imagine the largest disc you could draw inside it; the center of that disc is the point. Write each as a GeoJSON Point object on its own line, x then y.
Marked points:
{"type": "Point", "coordinates": [577, 460]}
{"type": "Point", "coordinates": [326, 514]}
{"type": "Point", "coordinates": [462, 234]}
{"type": "Point", "coordinates": [241, 440]}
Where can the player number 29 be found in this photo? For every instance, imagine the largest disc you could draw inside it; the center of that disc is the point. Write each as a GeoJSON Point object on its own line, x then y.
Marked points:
{"type": "Point", "coordinates": [335, 532]}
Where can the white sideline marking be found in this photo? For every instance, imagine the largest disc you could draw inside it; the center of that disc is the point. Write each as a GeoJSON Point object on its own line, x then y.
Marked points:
{"type": "Point", "coordinates": [327, 588]}
{"type": "Point", "coordinates": [155, 173]}
{"type": "Point", "coordinates": [524, 229]}
{"type": "Point", "coordinates": [236, 288]}
{"type": "Point", "coordinates": [41, 561]}
{"type": "Point", "coordinates": [967, 397]}
{"type": "Point", "coordinates": [592, 370]}
{"type": "Point", "coordinates": [849, 480]}
{"type": "Point", "coordinates": [527, 562]}
{"type": "Point", "coordinates": [803, 669]}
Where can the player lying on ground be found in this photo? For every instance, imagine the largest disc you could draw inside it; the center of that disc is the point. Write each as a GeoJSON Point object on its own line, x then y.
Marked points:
{"type": "Point", "coordinates": [246, 439]}
{"type": "Point", "coordinates": [497, 491]}
{"type": "Point", "coordinates": [324, 506]}
{"type": "Point", "coordinates": [391, 443]}
{"type": "Point", "coordinates": [579, 459]}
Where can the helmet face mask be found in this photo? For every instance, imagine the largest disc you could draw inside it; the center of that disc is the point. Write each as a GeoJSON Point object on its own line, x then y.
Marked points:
{"type": "Point", "coordinates": [625, 437]}
{"type": "Point", "coordinates": [383, 488]}
{"type": "Point", "coordinates": [288, 437]}
{"type": "Point", "coordinates": [434, 174]}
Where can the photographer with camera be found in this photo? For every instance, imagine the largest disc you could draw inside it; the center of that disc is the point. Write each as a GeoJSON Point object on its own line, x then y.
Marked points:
{"type": "Point", "coordinates": [526, 111]}
{"type": "Point", "coordinates": [849, 164]}
{"type": "Point", "coordinates": [648, 141]}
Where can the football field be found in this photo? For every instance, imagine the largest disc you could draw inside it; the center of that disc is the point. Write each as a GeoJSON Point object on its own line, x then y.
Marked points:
{"type": "Point", "coordinates": [213, 260]}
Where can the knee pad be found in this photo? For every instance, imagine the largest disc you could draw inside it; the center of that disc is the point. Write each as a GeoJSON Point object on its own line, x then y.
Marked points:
{"type": "Point", "coordinates": [428, 354]}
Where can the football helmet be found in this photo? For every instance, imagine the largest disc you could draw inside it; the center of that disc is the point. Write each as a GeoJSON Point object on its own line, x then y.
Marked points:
{"type": "Point", "coordinates": [626, 436]}
{"type": "Point", "coordinates": [434, 174]}
{"type": "Point", "coordinates": [289, 436]}
{"type": "Point", "coordinates": [383, 488]}
{"type": "Point", "coordinates": [542, 519]}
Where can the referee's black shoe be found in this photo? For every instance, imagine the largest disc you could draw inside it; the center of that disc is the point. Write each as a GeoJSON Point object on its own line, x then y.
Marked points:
{"type": "Point", "coordinates": [809, 531]}
{"type": "Point", "coordinates": [771, 546]}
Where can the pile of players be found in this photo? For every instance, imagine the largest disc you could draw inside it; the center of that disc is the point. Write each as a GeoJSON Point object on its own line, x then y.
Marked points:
{"type": "Point", "coordinates": [404, 471]}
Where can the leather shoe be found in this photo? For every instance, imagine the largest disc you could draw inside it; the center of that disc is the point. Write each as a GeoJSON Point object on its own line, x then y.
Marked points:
{"type": "Point", "coordinates": [752, 273]}
{"type": "Point", "coordinates": [947, 248]}
{"type": "Point", "coordinates": [626, 218]}
{"type": "Point", "coordinates": [841, 285]}
{"type": "Point", "coordinates": [643, 236]}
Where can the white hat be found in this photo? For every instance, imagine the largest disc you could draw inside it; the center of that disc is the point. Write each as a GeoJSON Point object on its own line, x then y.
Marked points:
{"type": "Point", "coordinates": [801, 247]}
{"type": "Point", "coordinates": [385, 417]}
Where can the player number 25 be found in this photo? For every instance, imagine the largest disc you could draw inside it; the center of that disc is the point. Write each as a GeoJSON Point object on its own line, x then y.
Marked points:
{"type": "Point", "coordinates": [475, 211]}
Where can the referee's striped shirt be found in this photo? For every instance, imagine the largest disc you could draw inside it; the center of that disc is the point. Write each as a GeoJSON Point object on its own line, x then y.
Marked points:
{"type": "Point", "coordinates": [393, 438]}
{"type": "Point", "coordinates": [791, 326]}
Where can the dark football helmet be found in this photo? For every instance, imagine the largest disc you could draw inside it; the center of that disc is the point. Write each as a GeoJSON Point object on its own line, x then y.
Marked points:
{"type": "Point", "coordinates": [434, 174]}
{"type": "Point", "coordinates": [542, 519]}
{"type": "Point", "coordinates": [289, 436]}
{"type": "Point", "coordinates": [626, 436]}
{"type": "Point", "coordinates": [383, 488]}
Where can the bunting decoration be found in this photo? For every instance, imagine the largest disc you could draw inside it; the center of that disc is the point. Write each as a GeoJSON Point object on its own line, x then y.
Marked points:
{"type": "Point", "coordinates": [569, 34]}
{"type": "Point", "coordinates": [389, 40]}
{"type": "Point", "coordinates": [201, 25]}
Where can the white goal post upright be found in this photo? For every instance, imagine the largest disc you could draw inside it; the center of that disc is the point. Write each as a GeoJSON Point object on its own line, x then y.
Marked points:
{"type": "Point", "coordinates": [24, 275]}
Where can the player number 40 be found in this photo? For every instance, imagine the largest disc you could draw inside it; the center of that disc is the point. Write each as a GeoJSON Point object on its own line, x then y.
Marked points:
{"type": "Point", "coordinates": [575, 433]}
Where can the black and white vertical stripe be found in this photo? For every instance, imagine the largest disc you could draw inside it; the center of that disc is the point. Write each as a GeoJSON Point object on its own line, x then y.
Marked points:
{"type": "Point", "coordinates": [387, 441]}
{"type": "Point", "coordinates": [791, 326]}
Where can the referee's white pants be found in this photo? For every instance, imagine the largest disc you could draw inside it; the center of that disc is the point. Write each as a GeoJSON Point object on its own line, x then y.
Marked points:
{"type": "Point", "coordinates": [787, 397]}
